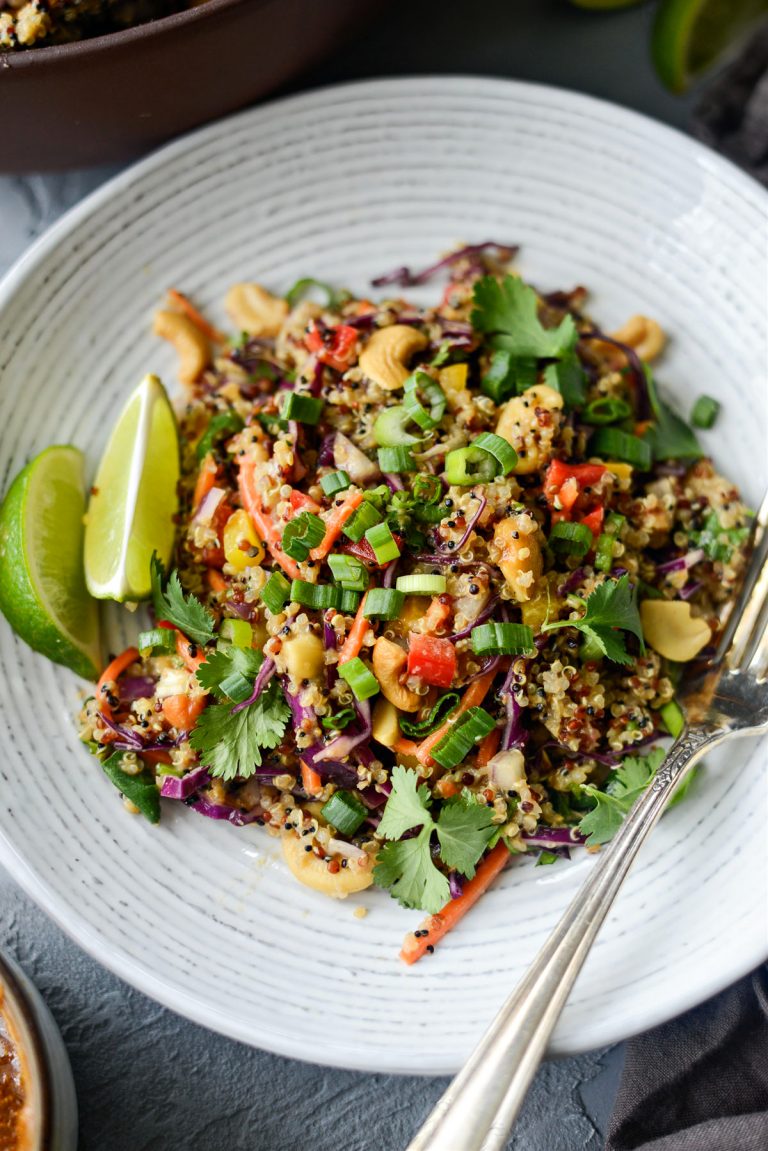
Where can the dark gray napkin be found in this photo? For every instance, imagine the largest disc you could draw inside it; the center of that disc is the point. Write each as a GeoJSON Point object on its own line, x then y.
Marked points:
{"type": "Point", "coordinates": [699, 1083]}
{"type": "Point", "coordinates": [732, 114]}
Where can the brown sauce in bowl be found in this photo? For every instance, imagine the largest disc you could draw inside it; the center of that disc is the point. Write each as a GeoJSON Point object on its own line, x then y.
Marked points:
{"type": "Point", "coordinates": [12, 1094]}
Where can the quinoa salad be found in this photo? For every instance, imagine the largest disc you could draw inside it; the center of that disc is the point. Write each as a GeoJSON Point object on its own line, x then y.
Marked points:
{"type": "Point", "coordinates": [438, 572]}
{"type": "Point", "coordinates": [40, 23]}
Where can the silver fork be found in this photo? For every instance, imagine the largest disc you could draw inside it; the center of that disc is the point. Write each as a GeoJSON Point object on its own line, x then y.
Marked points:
{"type": "Point", "coordinates": [728, 698]}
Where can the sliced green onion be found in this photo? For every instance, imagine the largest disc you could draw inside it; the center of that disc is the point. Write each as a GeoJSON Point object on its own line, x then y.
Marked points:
{"type": "Point", "coordinates": [389, 428]}
{"type": "Point", "coordinates": [347, 601]}
{"type": "Point", "coordinates": [604, 552]}
{"type": "Point", "coordinates": [221, 427]}
{"type": "Point", "coordinates": [383, 543]}
{"type": "Point", "coordinates": [704, 412]}
{"type": "Point", "coordinates": [237, 687]}
{"type": "Point", "coordinates": [607, 410]}
{"type": "Point", "coordinates": [319, 596]}
{"type": "Point", "coordinates": [454, 747]}
{"type": "Point", "coordinates": [613, 444]}
{"type": "Point", "coordinates": [399, 459]}
{"type": "Point", "coordinates": [427, 489]}
{"type": "Point", "coordinates": [304, 532]}
{"type": "Point", "coordinates": [276, 592]}
{"type": "Point", "coordinates": [339, 720]}
{"type": "Point", "coordinates": [501, 450]}
{"type": "Point", "coordinates": [502, 639]}
{"type": "Point", "coordinates": [345, 812]}
{"type": "Point", "coordinates": [305, 409]}
{"type": "Point", "coordinates": [568, 378]}
{"type": "Point", "coordinates": [361, 680]}
{"type": "Point", "coordinates": [383, 603]}
{"type": "Point", "coordinates": [421, 584]}
{"type": "Point", "coordinates": [571, 539]}
{"type": "Point", "coordinates": [162, 637]}
{"type": "Point", "coordinates": [673, 718]}
{"type": "Point", "coordinates": [360, 521]}
{"type": "Point", "coordinates": [335, 482]}
{"type": "Point", "coordinates": [334, 297]}
{"type": "Point", "coordinates": [238, 631]}
{"type": "Point", "coordinates": [351, 573]}
{"type": "Point", "coordinates": [546, 858]}
{"type": "Point", "coordinates": [467, 466]}
{"type": "Point", "coordinates": [420, 386]}
{"type": "Point", "coordinates": [508, 376]}
{"type": "Point", "coordinates": [412, 729]}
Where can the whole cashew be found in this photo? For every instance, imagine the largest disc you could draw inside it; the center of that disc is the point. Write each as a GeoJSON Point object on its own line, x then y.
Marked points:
{"type": "Point", "coordinates": [312, 871]}
{"type": "Point", "coordinates": [193, 349]}
{"type": "Point", "coordinates": [389, 661]}
{"type": "Point", "coordinates": [520, 555]}
{"type": "Point", "coordinates": [385, 357]}
{"type": "Point", "coordinates": [643, 334]}
{"type": "Point", "coordinates": [529, 422]}
{"type": "Point", "coordinates": [255, 310]}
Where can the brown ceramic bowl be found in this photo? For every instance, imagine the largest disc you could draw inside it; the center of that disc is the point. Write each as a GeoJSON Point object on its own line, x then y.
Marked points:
{"type": "Point", "coordinates": [115, 96]}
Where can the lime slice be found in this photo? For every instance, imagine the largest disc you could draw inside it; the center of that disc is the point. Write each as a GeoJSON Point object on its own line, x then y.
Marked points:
{"type": "Point", "coordinates": [42, 589]}
{"type": "Point", "coordinates": [134, 497]}
{"type": "Point", "coordinates": [690, 35]}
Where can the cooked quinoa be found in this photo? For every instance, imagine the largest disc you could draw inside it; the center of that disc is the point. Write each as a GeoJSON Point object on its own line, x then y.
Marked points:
{"type": "Point", "coordinates": [541, 537]}
{"type": "Point", "coordinates": [38, 23]}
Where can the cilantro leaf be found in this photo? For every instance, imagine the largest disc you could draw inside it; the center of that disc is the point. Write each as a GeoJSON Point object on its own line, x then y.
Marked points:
{"type": "Point", "coordinates": [220, 666]}
{"type": "Point", "coordinates": [670, 436]}
{"type": "Point", "coordinates": [407, 806]}
{"type": "Point", "coordinates": [610, 609]}
{"type": "Point", "coordinates": [569, 379]}
{"type": "Point", "coordinates": [172, 605]}
{"type": "Point", "coordinates": [464, 828]}
{"type": "Point", "coordinates": [507, 311]}
{"type": "Point", "coordinates": [625, 784]}
{"type": "Point", "coordinates": [230, 742]}
{"type": "Point", "coordinates": [406, 869]}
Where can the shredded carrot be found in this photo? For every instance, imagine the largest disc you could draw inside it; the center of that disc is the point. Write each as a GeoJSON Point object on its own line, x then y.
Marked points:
{"type": "Point", "coordinates": [404, 746]}
{"type": "Point", "coordinates": [473, 697]}
{"type": "Point", "coordinates": [300, 502]}
{"type": "Point", "coordinates": [435, 927]}
{"type": "Point", "coordinates": [216, 581]}
{"type": "Point", "coordinates": [311, 779]}
{"type": "Point", "coordinates": [185, 305]}
{"type": "Point", "coordinates": [354, 641]}
{"type": "Point", "coordinates": [157, 756]}
{"type": "Point", "coordinates": [111, 672]}
{"type": "Point", "coordinates": [206, 478]}
{"type": "Point", "coordinates": [191, 653]}
{"type": "Point", "coordinates": [335, 523]}
{"type": "Point", "coordinates": [436, 614]}
{"type": "Point", "coordinates": [445, 788]}
{"type": "Point", "coordinates": [488, 747]}
{"type": "Point", "coordinates": [268, 531]}
{"type": "Point", "coordinates": [183, 711]}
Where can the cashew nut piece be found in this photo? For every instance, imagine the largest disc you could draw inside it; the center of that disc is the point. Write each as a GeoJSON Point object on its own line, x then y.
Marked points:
{"type": "Point", "coordinates": [385, 357]}
{"type": "Point", "coordinates": [671, 630]}
{"type": "Point", "coordinates": [312, 871]}
{"type": "Point", "coordinates": [386, 722]}
{"type": "Point", "coordinates": [255, 310]}
{"type": "Point", "coordinates": [520, 559]}
{"type": "Point", "coordinates": [304, 656]}
{"type": "Point", "coordinates": [193, 349]}
{"type": "Point", "coordinates": [389, 661]}
{"type": "Point", "coordinates": [529, 422]}
{"type": "Point", "coordinates": [643, 334]}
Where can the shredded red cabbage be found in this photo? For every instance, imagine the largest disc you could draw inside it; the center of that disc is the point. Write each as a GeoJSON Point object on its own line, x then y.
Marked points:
{"type": "Point", "coordinates": [573, 581]}
{"type": "Point", "coordinates": [266, 671]}
{"type": "Point", "coordinates": [455, 884]}
{"type": "Point", "coordinates": [325, 455]}
{"type": "Point", "coordinates": [132, 687]}
{"type": "Point", "coordinates": [482, 616]}
{"type": "Point", "coordinates": [456, 548]}
{"type": "Point", "coordinates": [174, 788]}
{"type": "Point", "coordinates": [682, 563]}
{"type": "Point", "coordinates": [405, 278]}
{"type": "Point", "coordinates": [221, 811]}
{"type": "Point", "coordinates": [549, 837]}
{"type": "Point", "coordinates": [341, 747]}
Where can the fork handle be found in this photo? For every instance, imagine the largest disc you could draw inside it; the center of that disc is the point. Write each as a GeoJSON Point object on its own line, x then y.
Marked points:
{"type": "Point", "coordinates": [480, 1105]}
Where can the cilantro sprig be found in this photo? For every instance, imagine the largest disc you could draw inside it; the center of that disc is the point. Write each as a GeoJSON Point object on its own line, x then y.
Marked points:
{"type": "Point", "coordinates": [610, 609]}
{"type": "Point", "coordinates": [507, 312]}
{"type": "Point", "coordinates": [172, 605]}
{"type": "Point", "coordinates": [670, 437]}
{"type": "Point", "coordinates": [625, 784]}
{"type": "Point", "coordinates": [230, 742]}
{"type": "Point", "coordinates": [405, 866]}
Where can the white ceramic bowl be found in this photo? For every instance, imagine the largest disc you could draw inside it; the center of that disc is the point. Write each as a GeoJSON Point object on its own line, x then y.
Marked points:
{"type": "Point", "coordinates": [343, 184]}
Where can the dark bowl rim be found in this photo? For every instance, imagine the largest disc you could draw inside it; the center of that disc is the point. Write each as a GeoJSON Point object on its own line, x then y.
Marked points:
{"type": "Point", "coordinates": [12, 60]}
{"type": "Point", "coordinates": [38, 1055]}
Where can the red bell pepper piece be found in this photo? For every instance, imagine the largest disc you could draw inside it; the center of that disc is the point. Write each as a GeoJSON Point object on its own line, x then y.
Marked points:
{"type": "Point", "coordinates": [560, 473]}
{"type": "Point", "coordinates": [431, 659]}
{"type": "Point", "coordinates": [301, 502]}
{"type": "Point", "coordinates": [363, 550]}
{"type": "Point", "coordinates": [594, 521]}
{"type": "Point", "coordinates": [333, 346]}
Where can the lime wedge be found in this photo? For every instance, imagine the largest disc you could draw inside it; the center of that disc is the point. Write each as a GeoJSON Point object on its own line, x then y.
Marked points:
{"type": "Point", "coordinates": [134, 497]}
{"type": "Point", "coordinates": [690, 35]}
{"type": "Point", "coordinates": [42, 589]}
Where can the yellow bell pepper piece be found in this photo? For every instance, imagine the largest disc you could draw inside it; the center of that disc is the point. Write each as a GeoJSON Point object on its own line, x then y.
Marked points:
{"type": "Point", "coordinates": [242, 547]}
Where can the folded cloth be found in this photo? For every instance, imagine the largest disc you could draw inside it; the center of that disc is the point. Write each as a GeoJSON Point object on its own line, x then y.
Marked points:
{"type": "Point", "coordinates": [732, 114]}
{"type": "Point", "coordinates": [699, 1083]}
